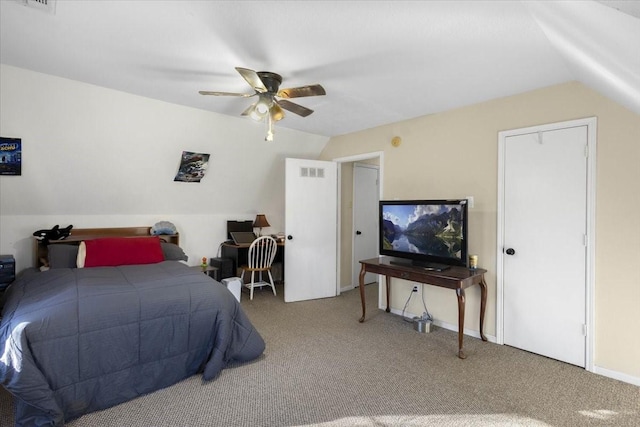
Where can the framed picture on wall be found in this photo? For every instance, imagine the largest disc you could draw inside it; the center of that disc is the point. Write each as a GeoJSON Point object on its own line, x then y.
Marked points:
{"type": "Point", "coordinates": [10, 156]}
{"type": "Point", "coordinates": [192, 167]}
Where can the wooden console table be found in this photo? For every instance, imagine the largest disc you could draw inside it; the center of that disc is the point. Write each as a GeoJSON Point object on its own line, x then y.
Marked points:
{"type": "Point", "coordinates": [458, 278]}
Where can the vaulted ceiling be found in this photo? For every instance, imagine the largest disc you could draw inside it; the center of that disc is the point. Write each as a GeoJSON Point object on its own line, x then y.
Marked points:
{"type": "Point", "coordinates": [379, 61]}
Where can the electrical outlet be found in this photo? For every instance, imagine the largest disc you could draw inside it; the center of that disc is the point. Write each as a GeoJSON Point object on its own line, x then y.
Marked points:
{"type": "Point", "coordinates": [415, 288]}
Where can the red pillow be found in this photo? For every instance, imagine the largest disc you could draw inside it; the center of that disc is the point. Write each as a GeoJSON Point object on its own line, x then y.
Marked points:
{"type": "Point", "coordinates": [112, 251]}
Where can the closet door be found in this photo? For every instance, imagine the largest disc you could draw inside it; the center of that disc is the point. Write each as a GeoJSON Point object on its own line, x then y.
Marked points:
{"type": "Point", "coordinates": [545, 246]}
{"type": "Point", "coordinates": [365, 219]}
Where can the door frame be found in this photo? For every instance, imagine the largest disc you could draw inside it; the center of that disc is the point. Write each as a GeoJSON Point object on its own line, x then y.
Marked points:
{"type": "Point", "coordinates": [590, 153]}
{"type": "Point", "coordinates": [348, 159]}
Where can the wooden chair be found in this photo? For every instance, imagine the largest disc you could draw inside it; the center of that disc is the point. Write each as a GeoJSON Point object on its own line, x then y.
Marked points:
{"type": "Point", "coordinates": [260, 257]}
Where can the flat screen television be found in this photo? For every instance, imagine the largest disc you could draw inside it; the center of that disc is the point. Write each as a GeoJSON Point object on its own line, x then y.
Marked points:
{"type": "Point", "coordinates": [424, 233]}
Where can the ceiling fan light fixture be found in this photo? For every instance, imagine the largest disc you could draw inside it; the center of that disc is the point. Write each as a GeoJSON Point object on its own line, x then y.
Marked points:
{"type": "Point", "coordinates": [266, 86]}
{"type": "Point", "coordinates": [255, 115]}
{"type": "Point", "coordinates": [262, 107]}
{"type": "Point", "coordinates": [276, 112]}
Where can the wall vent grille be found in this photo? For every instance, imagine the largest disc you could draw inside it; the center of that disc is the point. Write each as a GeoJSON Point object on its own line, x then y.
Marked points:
{"type": "Point", "coordinates": [306, 172]}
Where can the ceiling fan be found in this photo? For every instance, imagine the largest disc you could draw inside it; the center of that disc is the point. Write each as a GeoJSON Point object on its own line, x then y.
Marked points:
{"type": "Point", "coordinates": [272, 101]}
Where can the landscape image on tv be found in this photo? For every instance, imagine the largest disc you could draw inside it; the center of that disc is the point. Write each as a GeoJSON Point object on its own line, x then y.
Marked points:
{"type": "Point", "coordinates": [423, 229]}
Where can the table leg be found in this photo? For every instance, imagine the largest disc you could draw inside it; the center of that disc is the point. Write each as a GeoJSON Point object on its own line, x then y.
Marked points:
{"type": "Point", "coordinates": [461, 305]}
{"type": "Point", "coordinates": [483, 306]}
{"type": "Point", "coordinates": [388, 282]}
{"type": "Point", "coordinates": [362, 299]}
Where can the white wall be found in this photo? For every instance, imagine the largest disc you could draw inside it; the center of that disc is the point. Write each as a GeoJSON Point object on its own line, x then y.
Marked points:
{"type": "Point", "coordinates": [95, 157]}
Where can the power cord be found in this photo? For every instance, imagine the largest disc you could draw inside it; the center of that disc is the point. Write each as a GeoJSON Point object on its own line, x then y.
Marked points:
{"type": "Point", "coordinates": [426, 316]}
{"type": "Point", "coordinates": [219, 253]}
{"type": "Point", "coordinates": [405, 307]}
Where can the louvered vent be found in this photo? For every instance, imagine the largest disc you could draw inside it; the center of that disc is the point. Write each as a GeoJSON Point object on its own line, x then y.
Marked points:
{"type": "Point", "coordinates": [48, 6]}
{"type": "Point", "coordinates": [306, 172]}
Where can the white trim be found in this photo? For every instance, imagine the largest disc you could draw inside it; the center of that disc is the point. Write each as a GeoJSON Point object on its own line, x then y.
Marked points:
{"type": "Point", "coordinates": [446, 325]}
{"type": "Point", "coordinates": [591, 124]}
{"type": "Point", "coordinates": [500, 242]}
{"type": "Point", "coordinates": [357, 157]}
{"type": "Point", "coordinates": [592, 132]}
{"type": "Point", "coordinates": [616, 375]}
{"type": "Point", "coordinates": [365, 165]}
{"type": "Point", "coordinates": [338, 225]}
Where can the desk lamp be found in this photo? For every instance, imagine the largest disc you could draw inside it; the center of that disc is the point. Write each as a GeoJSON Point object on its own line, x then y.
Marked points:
{"type": "Point", "coordinates": [260, 221]}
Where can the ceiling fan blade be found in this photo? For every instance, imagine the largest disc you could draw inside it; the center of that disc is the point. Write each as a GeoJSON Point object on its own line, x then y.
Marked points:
{"type": "Point", "coordinates": [208, 92]}
{"type": "Point", "coordinates": [297, 92]}
{"type": "Point", "coordinates": [250, 109]}
{"type": "Point", "coordinates": [294, 108]}
{"type": "Point", "coordinates": [276, 112]}
{"type": "Point", "coordinates": [252, 78]}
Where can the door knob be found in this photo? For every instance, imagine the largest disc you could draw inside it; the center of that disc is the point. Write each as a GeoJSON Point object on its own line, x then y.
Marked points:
{"type": "Point", "coordinates": [289, 237]}
{"type": "Point", "coordinates": [358, 232]}
{"type": "Point", "coordinates": [510, 251]}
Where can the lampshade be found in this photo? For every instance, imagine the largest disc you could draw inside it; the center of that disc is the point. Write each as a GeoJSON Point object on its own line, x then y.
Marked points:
{"type": "Point", "coordinates": [261, 221]}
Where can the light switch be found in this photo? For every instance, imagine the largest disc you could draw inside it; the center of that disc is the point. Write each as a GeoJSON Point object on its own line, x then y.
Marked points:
{"type": "Point", "coordinates": [470, 201]}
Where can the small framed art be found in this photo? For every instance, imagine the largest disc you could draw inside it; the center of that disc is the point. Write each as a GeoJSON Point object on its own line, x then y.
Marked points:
{"type": "Point", "coordinates": [10, 156]}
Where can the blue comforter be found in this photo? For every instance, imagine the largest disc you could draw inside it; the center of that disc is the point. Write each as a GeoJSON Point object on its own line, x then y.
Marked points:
{"type": "Point", "coordinates": [73, 341]}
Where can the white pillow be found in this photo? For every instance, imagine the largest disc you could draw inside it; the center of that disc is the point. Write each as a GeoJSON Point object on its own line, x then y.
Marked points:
{"type": "Point", "coordinates": [82, 255]}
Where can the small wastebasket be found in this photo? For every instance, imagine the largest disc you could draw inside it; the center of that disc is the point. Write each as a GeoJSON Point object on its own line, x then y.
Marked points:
{"type": "Point", "coordinates": [422, 325]}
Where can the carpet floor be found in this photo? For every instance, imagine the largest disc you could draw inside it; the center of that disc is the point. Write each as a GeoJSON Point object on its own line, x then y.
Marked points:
{"type": "Point", "coordinates": [321, 367]}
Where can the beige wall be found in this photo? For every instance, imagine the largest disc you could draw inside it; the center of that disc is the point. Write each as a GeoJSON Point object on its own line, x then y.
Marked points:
{"type": "Point", "coordinates": [455, 154]}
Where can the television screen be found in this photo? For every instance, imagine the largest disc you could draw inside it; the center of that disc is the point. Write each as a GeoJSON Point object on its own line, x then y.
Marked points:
{"type": "Point", "coordinates": [429, 233]}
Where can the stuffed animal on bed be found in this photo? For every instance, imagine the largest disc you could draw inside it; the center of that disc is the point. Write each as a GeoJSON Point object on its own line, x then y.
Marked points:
{"type": "Point", "coordinates": [56, 233]}
{"type": "Point", "coordinates": [163, 227]}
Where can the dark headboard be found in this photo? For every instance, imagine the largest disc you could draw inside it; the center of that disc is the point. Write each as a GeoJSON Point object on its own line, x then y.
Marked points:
{"type": "Point", "coordinates": [80, 234]}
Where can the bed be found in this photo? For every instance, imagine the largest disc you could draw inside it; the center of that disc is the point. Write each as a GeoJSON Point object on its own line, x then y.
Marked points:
{"type": "Point", "coordinates": [76, 340]}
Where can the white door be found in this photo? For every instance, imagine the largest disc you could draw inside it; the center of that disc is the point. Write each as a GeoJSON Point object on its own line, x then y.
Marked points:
{"type": "Point", "coordinates": [544, 245]}
{"type": "Point", "coordinates": [365, 219]}
{"type": "Point", "coordinates": [311, 229]}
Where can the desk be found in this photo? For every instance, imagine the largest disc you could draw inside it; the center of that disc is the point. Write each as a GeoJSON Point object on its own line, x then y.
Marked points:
{"type": "Point", "coordinates": [239, 254]}
{"type": "Point", "coordinates": [457, 278]}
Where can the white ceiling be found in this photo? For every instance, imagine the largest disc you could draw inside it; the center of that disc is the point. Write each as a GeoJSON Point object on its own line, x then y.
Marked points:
{"type": "Point", "coordinates": [379, 61]}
